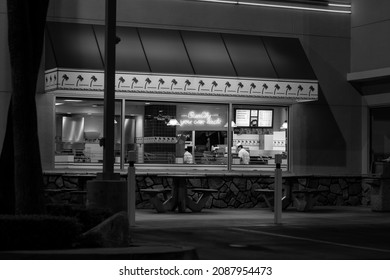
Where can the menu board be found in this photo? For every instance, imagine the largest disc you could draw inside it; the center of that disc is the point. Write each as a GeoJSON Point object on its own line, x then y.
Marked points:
{"type": "Point", "coordinates": [265, 118]}
{"type": "Point", "coordinates": [242, 117]}
{"type": "Point", "coordinates": [254, 118]}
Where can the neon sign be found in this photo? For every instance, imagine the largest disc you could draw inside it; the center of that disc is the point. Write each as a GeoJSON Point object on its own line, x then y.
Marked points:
{"type": "Point", "coordinates": [199, 119]}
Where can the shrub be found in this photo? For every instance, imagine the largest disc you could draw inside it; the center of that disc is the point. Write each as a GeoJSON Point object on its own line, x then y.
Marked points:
{"type": "Point", "coordinates": [89, 218]}
{"type": "Point", "coordinates": [38, 232]}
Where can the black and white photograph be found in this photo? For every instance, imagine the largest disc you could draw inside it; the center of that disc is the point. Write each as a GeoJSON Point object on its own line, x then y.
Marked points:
{"type": "Point", "coordinates": [194, 139]}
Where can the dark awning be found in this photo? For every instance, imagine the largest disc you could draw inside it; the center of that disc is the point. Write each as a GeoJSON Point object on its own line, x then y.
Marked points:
{"type": "Point", "coordinates": [147, 50]}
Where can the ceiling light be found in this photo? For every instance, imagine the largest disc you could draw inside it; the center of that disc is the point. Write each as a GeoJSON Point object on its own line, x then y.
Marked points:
{"type": "Point", "coordinates": [58, 104]}
{"type": "Point", "coordinates": [73, 100]}
{"type": "Point", "coordinates": [173, 122]}
{"type": "Point", "coordinates": [233, 124]}
{"type": "Point", "coordinates": [339, 5]}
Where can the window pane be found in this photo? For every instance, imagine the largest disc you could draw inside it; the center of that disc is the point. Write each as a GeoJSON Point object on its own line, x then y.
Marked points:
{"type": "Point", "coordinates": [79, 130]}
{"type": "Point", "coordinates": [162, 133]}
{"type": "Point", "coordinates": [259, 134]}
{"type": "Point", "coordinates": [380, 134]}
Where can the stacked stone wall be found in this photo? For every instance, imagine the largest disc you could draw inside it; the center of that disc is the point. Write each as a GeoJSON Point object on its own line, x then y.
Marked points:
{"type": "Point", "coordinates": [233, 192]}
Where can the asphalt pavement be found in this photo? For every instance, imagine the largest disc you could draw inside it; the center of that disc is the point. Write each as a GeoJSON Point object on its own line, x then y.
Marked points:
{"type": "Point", "coordinates": [325, 233]}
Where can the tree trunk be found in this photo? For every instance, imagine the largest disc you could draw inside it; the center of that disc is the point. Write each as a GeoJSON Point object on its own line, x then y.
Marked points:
{"type": "Point", "coordinates": [26, 26]}
{"type": "Point", "coordinates": [7, 190]}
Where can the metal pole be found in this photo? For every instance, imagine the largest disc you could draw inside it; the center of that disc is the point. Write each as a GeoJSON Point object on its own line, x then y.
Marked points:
{"type": "Point", "coordinates": [230, 136]}
{"type": "Point", "coordinates": [109, 89]}
{"type": "Point", "coordinates": [278, 190]}
{"type": "Point", "coordinates": [131, 188]}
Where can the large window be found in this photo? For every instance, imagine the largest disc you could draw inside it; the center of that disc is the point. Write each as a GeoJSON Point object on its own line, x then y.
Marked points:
{"type": "Point", "coordinates": [380, 134]}
{"type": "Point", "coordinates": [166, 133]}
{"type": "Point", "coordinates": [262, 132]}
{"type": "Point", "coordinates": [79, 131]}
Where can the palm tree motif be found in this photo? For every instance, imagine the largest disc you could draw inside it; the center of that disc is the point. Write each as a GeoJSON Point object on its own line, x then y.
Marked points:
{"type": "Point", "coordinates": [147, 82]}
{"type": "Point", "coordinates": [253, 86]}
{"type": "Point", "coordinates": [93, 79]}
{"type": "Point", "coordinates": [240, 85]}
{"type": "Point", "coordinates": [265, 86]}
{"type": "Point", "coordinates": [300, 88]}
{"type": "Point", "coordinates": [277, 87]}
{"type": "Point", "coordinates": [121, 81]}
{"type": "Point", "coordinates": [288, 88]}
{"type": "Point", "coordinates": [64, 78]}
{"type": "Point", "coordinates": [134, 81]}
{"type": "Point", "coordinates": [187, 83]}
{"type": "Point", "coordinates": [311, 89]}
{"type": "Point", "coordinates": [160, 82]}
{"type": "Point", "coordinates": [214, 84]}
{"type": "Point", "coordinates": [79, 78]}
{"type": "Point", "coordinates": [173, 83]}
{"type": "Point", "coordinates": [227, 85]}
{"type": "Point", "coordinates": [201, 84]}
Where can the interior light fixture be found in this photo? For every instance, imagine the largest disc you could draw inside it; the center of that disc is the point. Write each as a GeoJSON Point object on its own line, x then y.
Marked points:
{"type": "Point", "coordinates": [233, 124]}
{"type": "Point", "coordinates": [58, 104]}
{"type": "Point", "coordinates": [284, 125]}
{"type": "Point", "coordinates": [304, 8]}
{"type": "Point", "coordinates": [339, 5]}
{"type": "Point", "coordinates": [73, 100]}
{"type": "Point", "coordinates": [173, 122]}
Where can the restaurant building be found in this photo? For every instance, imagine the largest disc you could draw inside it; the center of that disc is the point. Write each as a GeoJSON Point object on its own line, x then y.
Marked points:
{"type": "Point", "coordinates": [208, 77]}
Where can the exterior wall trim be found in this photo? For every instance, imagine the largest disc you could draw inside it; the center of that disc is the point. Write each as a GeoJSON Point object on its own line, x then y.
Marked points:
{"type": "Point", "coordinates": [126, 82]}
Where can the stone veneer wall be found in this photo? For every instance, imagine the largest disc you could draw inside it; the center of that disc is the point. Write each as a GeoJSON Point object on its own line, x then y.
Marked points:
{"type": "Point", "coordinates": [234, 192]}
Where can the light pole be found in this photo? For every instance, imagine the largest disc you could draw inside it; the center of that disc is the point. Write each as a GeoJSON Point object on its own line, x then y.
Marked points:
{"type": "Point", "coordinates": [109, 89]}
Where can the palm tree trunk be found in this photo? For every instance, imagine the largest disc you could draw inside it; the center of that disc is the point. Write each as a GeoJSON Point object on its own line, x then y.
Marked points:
{"type": "Point", "coordinates": [26, 26]}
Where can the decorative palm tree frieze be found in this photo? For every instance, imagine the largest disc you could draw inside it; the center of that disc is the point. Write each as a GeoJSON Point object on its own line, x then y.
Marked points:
{"type": "Point", "coordinates": [64, 78]}
{"type": "Point", "coordinates": [277, 87]}
{"type": "Point", "coordinates": [160, 82]}
{"type": "Point", "coordinates": [265, 87]}
{"type": "Point", "coordinates": [240, 85]}
{"type": "Point", "coordinates": [253, 86]}
{"type": "Point", "coordinates": [147, 82]}
{"type": "Point", "coordinates": [214, 84]}
{"type": "Point", "coordinates": [311, 89]}
{"type": "Point", "coordinates": [79, 79]}
{"type": "Point", "coordinates": [93, 79]}
{"type": "Point", "coordinates": [134, 81]}
{"type": "Point", "coordinates": [300, 88]}
{"type": "Point", "coordinates": [288, 88]}
{"type": "Point", "coordinates": [201, 84]}
{"type": "Point", "coordinates": [173, 83]}
{"type": "Point", "coordinates": [187, 83]}
{"type": "Point", "coordinates": [227, 85]}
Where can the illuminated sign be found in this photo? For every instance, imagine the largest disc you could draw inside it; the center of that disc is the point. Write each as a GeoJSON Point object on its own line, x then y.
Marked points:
{"type": "Point", "coordinates": [200, 119]}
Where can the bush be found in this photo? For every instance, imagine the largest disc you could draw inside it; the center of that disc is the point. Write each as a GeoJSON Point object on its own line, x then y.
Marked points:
{"type": "Point", "coordinates": [89, 218]}
{"type": "Point", "coordinates": [38, 232]}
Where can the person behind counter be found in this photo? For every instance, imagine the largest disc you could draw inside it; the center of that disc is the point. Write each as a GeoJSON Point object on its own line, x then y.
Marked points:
{"type": "Point", "coordinates": [243, 155]}
{"type": "Point", "coordinates": [187, 156]}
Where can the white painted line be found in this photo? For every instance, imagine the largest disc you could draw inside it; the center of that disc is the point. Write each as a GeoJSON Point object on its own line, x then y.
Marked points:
{"type": "Point", "coordinates": [313, 240]}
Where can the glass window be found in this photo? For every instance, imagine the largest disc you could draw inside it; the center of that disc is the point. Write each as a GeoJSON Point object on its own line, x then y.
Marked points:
{"type": "Point", "coordinates": [79, 131]}
{"type": "Point", "coordinates": [172, 133]}
{"type": "Point", "coordinates": [259, 133]}
{"type": "Point", "coordinates": [380, 134]}
{"type": "Point", "coordinates": [178, 133]}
